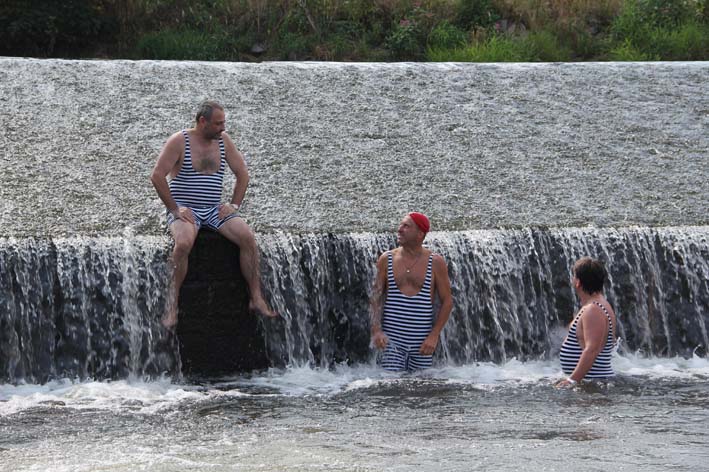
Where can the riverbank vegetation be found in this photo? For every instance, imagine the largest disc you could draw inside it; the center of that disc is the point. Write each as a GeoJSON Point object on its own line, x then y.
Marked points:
{"type": "Point", "coordinates": [347, 30]}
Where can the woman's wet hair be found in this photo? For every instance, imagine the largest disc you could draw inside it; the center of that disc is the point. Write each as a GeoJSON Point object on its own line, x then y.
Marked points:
{"type": "Point", "coordinates": [591, 274]}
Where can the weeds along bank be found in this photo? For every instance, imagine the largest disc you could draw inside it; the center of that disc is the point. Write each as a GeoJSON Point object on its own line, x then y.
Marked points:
{"type": "Point", "coordinates": [340, 30]}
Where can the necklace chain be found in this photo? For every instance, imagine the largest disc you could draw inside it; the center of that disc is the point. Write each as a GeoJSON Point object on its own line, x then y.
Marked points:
{"type": "Point", "coordinates": [408, 269]}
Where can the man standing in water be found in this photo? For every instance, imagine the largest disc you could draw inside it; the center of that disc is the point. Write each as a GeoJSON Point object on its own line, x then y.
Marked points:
{"type": "Point", "coordinates": [194, 160]}
{"type": "Point", "coordinates": [402, 317]}
{"type": "Point", "coordinates": [589, 345]}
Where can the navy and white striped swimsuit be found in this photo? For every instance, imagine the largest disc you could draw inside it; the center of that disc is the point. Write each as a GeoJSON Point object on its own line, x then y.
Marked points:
{"type": "Point", "coordinates": [202, 193]}
{"type": "Point", "coordinates": [570, 352]}
{"type": "Point", "coordinates": [406, 321]}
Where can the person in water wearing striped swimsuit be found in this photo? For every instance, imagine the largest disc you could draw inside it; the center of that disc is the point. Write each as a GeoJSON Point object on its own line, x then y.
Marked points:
{"type": "Point", "coordinates": [586, 352]}
{"type": "Point", "coordinates": [195, 160]}
{"type": "Point", "coordinates": [403, 323]}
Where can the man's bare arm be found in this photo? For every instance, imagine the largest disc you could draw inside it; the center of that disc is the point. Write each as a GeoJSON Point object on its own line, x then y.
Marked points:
{"type": "Point", "coordinates": [376, 305]}
{"type": "Point", "coordinates": [443, 291]}
{"type": "Point", "coordinates": [169, 156]}
{"type": "Point", "coordinates": [237, 164]}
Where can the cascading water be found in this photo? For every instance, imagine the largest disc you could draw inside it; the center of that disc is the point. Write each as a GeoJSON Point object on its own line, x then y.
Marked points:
{"type": "Point", "coordinates": [91, 307]}
{"type": "Point", "coordinates": [83, 307]}
{"type": "Point", "coordinates": [345, 148]}
{"type": "Point", "coordinates": [511, 287]}
{"type": "Point", "coordinates": [475, 146]}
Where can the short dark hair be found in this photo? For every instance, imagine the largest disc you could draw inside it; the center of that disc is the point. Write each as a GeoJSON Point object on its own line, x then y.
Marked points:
{"type": "Point", "coordinates": [206, 108]}
{"type": "Point", "coordinates": [591, 274]}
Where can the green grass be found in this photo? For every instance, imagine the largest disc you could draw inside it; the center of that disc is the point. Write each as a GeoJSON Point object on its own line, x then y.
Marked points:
{"type": "Point", "coordinates": [689, 42]}
{"type": "Point", "coordinates": [182, 45]}
{"type": "Point", "coordinates": [495, 49]}
{"type": "Point", "coordinates": [542, 46]}
{"type": "Point", "coordinates": [628, 53]}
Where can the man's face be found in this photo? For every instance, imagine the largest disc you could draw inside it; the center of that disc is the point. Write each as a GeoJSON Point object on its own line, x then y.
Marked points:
{"type": "Point", "coordinates": [408, 231]}
{"type": "Point", "coordinates": [214, 128]}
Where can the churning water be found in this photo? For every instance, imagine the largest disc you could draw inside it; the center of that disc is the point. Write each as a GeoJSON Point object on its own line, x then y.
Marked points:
{"type": "Point", "coordinates": [523, 169]}
{"type": "Point", "coordinates": [481, 416]}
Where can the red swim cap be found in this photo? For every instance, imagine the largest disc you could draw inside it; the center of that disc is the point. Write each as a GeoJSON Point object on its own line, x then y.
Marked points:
{"type": "Point", "coordinates": [421, 221]}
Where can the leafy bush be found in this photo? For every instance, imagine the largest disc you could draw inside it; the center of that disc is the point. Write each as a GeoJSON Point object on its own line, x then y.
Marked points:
{"type": "Point", "coordinates": [543, 46]}
{"type": "Point", "coordinates": [292, 46]}
{"type": "Point", "coordinates": [529, 30]}
{"type": "Point", "coordinates": [667, 13]}
{"type": "Point", "coordinates": [404, 40]}
{"type": "Point", "coordinates": [661, 30]}
{"type": "Point", "coordinates": [687, 43]}
{"type": "Point", "coordinates": [583, 45]}
{"type": "Point", "coordinates": [446, 36]}
{"type": "Point", "coordinates": [638, 17]}
{"type": "Point", "coordinates": [182, 45]}
{"type": "Point", "coordinates": [630, 24]}
{"type": "Point", "coordinates": [547, 14]}
{"type": "Point", "coordinates": [47, 28]}
{"type": "Point", "coordinates": [494, 49]}
{"type": "Point", "coordinates": [475, 13]}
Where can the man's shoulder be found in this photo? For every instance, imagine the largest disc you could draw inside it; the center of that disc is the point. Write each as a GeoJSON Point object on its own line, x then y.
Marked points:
{"type": "Point", "coordinates": [230, 146]}
{"type": "Point", "coordinates": [174, 147]}
{"type": "Point", "coordinates": [438, 260]}
{"type": "Point", "coordinates": [593, 315]}
{"type": "Point", "coordinates": [383, 256]}
{"type": "Point", "coordinates": [177, 136]}
{"type": "Point", "coordinates": [226, 138]}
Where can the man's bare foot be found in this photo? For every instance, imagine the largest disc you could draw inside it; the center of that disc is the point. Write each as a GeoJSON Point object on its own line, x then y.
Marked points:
{"type": "Point", "coordinates": [260, 307]}
{"type": "Point", "coordinates": [169, 321]}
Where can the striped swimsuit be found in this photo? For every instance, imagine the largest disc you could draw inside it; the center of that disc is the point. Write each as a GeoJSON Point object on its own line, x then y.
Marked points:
{"type": "Point", "coordinates": [571, 351]}
{"type": "Point", "coordinates": [407, 321]}
{"type": "Point", "coordinates": [201, 193]}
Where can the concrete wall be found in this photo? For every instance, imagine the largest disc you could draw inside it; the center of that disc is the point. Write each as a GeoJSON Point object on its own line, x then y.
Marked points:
{"type": "Point", "coordinates": [217, 334]}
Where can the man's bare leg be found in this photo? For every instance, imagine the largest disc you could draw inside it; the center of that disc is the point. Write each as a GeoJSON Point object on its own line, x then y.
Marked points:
{"type": "Point", "coordinates": [184, 234]}
{"type": "Point", "coordinates": [237, 231]}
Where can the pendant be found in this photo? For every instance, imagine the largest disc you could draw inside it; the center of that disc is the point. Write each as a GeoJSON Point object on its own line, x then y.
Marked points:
{"type": "Point", "coordinates": [408, 271]}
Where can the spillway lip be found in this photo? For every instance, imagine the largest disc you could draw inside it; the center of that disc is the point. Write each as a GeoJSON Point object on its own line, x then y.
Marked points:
{"type": "Point", "coordinates": [164, 240]}
{"type": "Point", "coordinates": [350, 147]}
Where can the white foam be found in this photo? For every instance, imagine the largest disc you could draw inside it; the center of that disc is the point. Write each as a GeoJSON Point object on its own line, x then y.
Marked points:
{"type": "Point", "coordinates": [164, 396]}
{"type": "Point", "coordinates": [662, 368]}
{"type": "Point", "coordinates": [121, 395]}
{"type": "Point", "coordinates": [513, 371]}
{"type": "Point", "coordinates": [303, 380]}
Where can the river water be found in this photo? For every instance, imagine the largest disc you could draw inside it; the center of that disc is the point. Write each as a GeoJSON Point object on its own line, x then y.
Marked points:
{"type": "Point", "coordinates": [480, 416]}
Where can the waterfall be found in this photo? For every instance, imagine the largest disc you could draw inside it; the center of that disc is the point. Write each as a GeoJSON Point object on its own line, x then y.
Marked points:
{"type": "Point", "coordinates": [84, 308]}
{"type": "Point", "coordinates": [524, 146]}
{"type": "Point", "coordinates": [90, 307]}
{"type": "Point", "coordinates": [512, 291]}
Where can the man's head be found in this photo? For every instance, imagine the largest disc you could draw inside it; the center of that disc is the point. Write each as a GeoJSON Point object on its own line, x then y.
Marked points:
{"type": "Point", "coordinates": [590, 273]}
{"type": "Point", "coordinates": [413, 229]}
{"type": "Point", "coordinates": [210, 119]}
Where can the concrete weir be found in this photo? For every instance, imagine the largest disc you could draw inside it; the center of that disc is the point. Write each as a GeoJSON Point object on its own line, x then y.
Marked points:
{"type": "Point", "coordinates": [217, 334]}
{"type": "Point", "coordinates": [521, 168]}
{"type": "Point", "coordinates": [345, 148]}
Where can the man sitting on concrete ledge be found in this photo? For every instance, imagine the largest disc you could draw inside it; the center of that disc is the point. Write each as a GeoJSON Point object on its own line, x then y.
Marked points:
{"type": "Point", "coordinates": [195, 159]}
